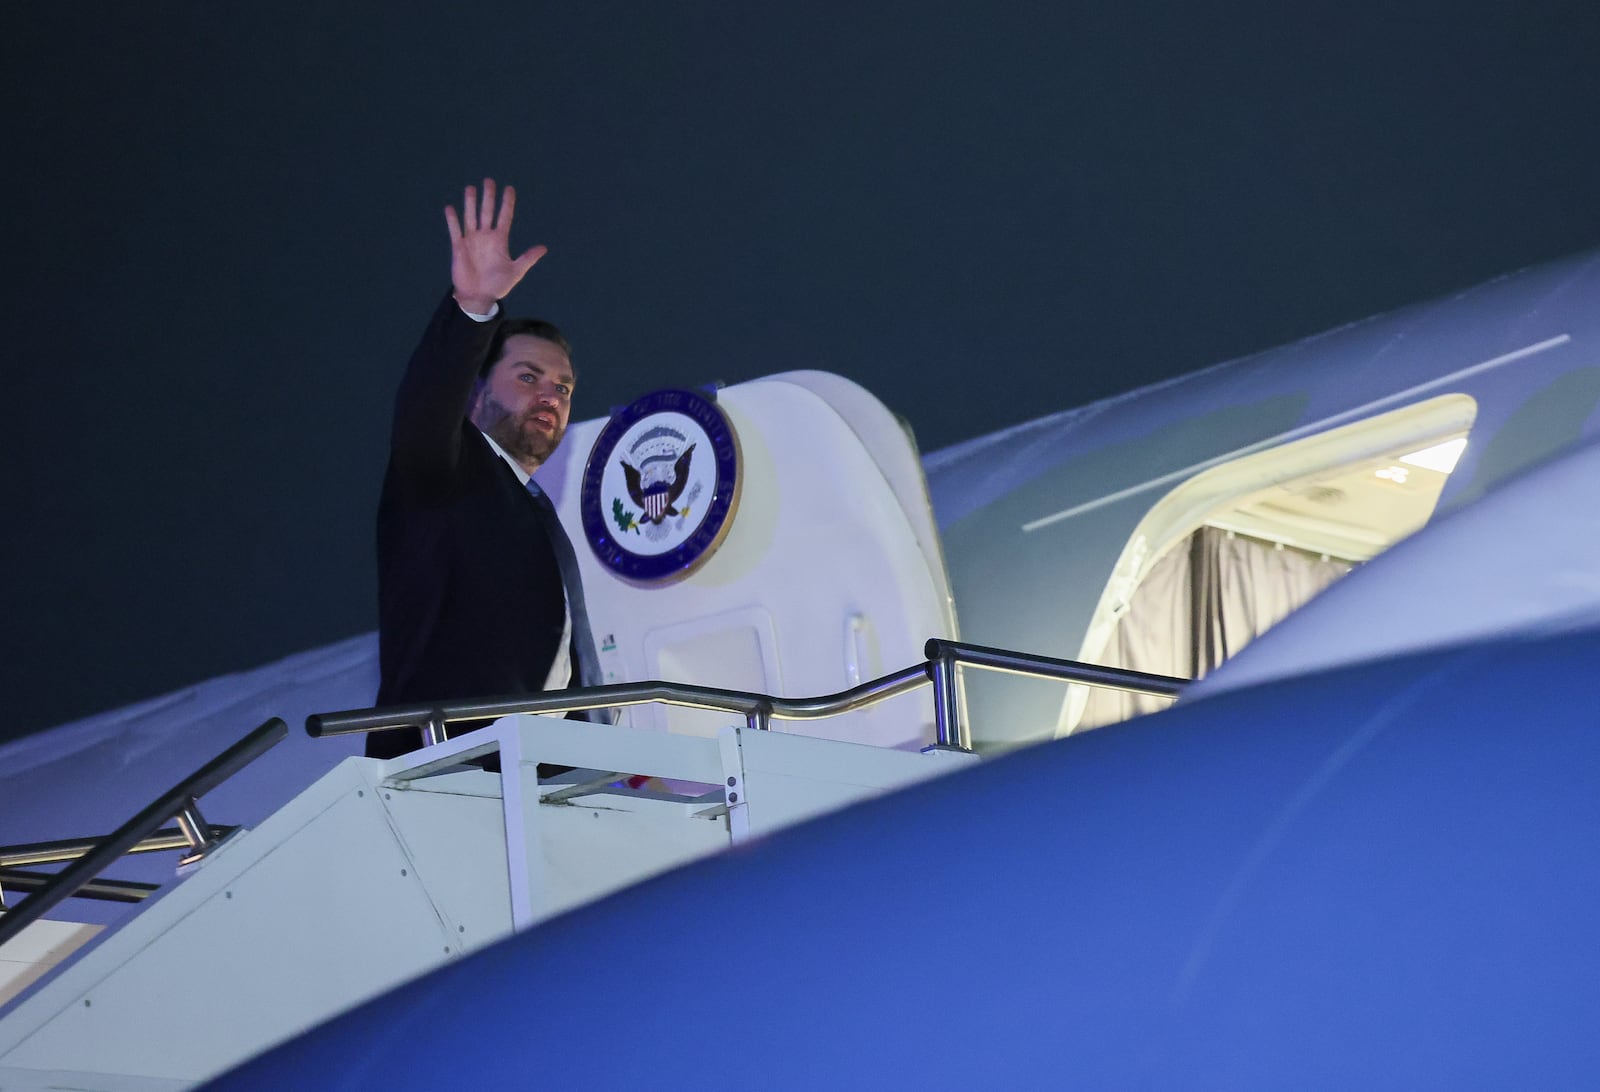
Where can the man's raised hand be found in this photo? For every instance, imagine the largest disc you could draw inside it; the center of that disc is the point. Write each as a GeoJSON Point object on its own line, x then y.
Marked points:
{"type": "Point", "coordinates": [482, 269]}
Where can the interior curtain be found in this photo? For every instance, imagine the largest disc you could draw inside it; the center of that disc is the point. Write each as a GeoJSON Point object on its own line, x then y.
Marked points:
{"type": "Point", "coordinates": [1242, 587]}
{"type": "Point", "coordinates": [1199, 605]}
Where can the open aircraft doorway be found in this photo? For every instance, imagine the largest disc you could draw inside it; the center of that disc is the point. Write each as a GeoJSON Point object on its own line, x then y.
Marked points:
{"type": "Point", "coordinates": [1227, 554]}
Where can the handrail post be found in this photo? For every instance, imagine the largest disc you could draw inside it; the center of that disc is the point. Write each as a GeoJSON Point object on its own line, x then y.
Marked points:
{"type": "Point", "coordinates": [949, 732]}
{"type": "Point", "coordinates": [433, 730]}
{"type": "Point", "coordinates": [196, 831]}
{"type": "Point", "coordinates": [759, 719]}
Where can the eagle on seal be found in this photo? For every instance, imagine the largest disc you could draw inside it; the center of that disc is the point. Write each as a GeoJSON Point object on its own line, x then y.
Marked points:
{"type": "Point", "coordinates": [659, 498]}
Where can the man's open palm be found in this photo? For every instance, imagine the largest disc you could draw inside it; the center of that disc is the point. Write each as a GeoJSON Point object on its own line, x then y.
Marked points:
{"type": "Point", "coordinates": [482, 269]}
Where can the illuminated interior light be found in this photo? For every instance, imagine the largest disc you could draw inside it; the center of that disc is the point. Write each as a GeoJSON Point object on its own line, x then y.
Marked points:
{"type": "Point", "coordinates": [1440, 457]}
{"type": "Point", "coordinates": [1396, 474]}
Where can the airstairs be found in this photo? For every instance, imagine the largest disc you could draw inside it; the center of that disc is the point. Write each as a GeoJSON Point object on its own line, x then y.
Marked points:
{"type": "Point", "coordinates": [355, 879]}
{"type": "Point", "coordinates": [385, 869]}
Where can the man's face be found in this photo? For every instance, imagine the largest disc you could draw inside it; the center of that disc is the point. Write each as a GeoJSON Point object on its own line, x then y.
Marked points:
{"type": "Point", "coordinates": [524, 401]}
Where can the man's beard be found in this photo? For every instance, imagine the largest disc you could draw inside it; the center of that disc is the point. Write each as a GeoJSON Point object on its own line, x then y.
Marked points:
{"type": "Point", "coordinates": [521, 438]}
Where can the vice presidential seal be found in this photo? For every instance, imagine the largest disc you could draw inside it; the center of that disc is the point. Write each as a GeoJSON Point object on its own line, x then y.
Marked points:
{"type": "Point", "coordinates": [661, 485]}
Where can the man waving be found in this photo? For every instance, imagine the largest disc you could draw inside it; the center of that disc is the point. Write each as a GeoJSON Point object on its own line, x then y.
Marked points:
{"type": "Point", "coordinates": [478, 587]}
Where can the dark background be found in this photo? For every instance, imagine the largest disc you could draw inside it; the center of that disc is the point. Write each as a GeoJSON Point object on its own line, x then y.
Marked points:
{"type": "Point", "coordinates": [222, 232]}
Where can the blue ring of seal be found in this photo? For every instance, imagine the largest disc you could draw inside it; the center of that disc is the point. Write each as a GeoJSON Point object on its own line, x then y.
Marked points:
{"type": "Point", "coordinates": [725, 448]}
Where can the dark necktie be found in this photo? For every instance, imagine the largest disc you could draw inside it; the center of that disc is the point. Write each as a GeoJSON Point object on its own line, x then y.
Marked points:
{"type": "Point", "coordinates": [585, 661]}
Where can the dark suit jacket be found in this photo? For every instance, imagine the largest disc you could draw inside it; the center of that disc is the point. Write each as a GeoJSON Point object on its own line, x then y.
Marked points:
{"type": "Point", "coordinates": [470, 602]}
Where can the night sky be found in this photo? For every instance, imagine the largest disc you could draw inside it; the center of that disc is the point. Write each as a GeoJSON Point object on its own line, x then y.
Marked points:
{"type": "Point", "coordinates": [223, 232]}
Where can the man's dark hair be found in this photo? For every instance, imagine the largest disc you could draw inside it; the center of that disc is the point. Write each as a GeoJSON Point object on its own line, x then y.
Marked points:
{"type": "Point", "coordinates": [511, 327]}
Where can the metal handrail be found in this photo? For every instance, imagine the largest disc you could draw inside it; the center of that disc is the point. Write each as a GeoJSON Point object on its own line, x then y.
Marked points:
{"type": "Point", "coordinates": [945, 656]}
{"type": "Point", "coordinates": [1048, 667]}
{"type": "Point", "coordinates": [70, 849]}
{"type": "Point", "coordinates": [106, 890]}
{"type": "Point", "coordinates": [759, 710]}
{"type": "Point", "coordinates": [176, 802]}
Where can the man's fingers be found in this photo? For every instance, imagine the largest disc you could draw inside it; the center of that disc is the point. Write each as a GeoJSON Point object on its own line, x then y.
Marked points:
{"type": "Point", "coordinates": [453, 222]}
{"type": "Point", "coordinates": [486, 213]}
{"type": "Point", "coordinates": [479, 213]}
{"type": "Point", "coordinates": [508, 202]}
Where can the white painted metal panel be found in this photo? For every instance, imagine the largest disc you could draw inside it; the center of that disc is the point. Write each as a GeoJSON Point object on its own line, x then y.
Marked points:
{"type": "Point", "coordinates": [788, 779]}
{"type": "Point", "coordinates": [456, 843]}
{"type": "Point", "coordinates": [593, 849]}
{"type": "Point", "coordinates": [278, 930]}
